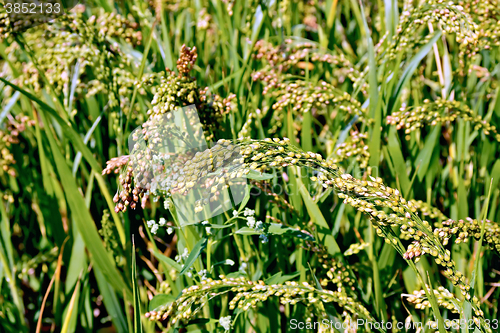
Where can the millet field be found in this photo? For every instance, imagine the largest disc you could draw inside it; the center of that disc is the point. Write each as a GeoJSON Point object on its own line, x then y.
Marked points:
{"type": "Point", "coordinates": [250, 166]}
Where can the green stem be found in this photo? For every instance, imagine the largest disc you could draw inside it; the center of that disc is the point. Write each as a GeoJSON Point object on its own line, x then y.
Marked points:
{"type": "Point", "coordinates": [12, 285]}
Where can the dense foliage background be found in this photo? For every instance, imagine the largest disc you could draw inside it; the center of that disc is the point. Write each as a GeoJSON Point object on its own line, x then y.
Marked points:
{"type": "Point", "coordinates": [380, 205]}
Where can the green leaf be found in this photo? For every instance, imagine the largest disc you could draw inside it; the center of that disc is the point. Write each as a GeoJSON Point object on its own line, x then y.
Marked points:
{"type": "Point", "coordinates": [137, 301]}
{"type": "Point", "coordinates": [5, 229]}
{"type": "Point", "coordinates": [280, 229]}
{"type": "Point", "coordinates": [316, 215]}
{"type": "Point", "coordinates": [293, 184]}
{"type": "Point", "coordinates": [220, 226]}
{"type": "Point", "coordinates": [372, 65]}
{"type": "Point", "coordinates": [258, 175]}
{"type": "Point", "coordinates": [387, 256]}
{"type": "Point", "coordinates": [495, 174]}
{"type": "Point", "coordinates": [429, 291]}
{"type": "Point", "coordinates": [391, 16]}
{"type": "Point", "coordinates": [136, 86]}
{"type": "Point", "coordinates": [245, 199]}
{"type": "Point", "coordinates": [86, 139]}
{"type": "Point", "coordinates": [312, 207]}
{"type": "Point", "coordinates": [71, 311]}
{"type": "Point", "coordinates": [424, 156]}
{"type": "Point", "coordinates": [279, 278]}
{"type": "Point", "coordinates": [410, 69]}
{"type": "Point", "coordinates": [375, 109]}
{"type": "Point", "coordinates": [484, 214]}
{"type": "Point", "coordinates": [77, 262]}
{"type": "Point", "coordinates": [46, 179]}
{"type": "Point", "coordinates": [228, 262]}
{"type": "Point", "coordinates": [393, 146]}
{"type": "Point", "coordinates": [247, 231]}
{"type": "Point", "coordinates": [83, 220]}
{"type": "Point", "coordinates": [111, 303]}
{"type": "Point", "coordinates": [306, 137]}
{"type": "Point", "coordinates": [77, 141]}
{"type": "Point", "coordinates": [9, 106]}
{"type": "Point", "coordinates": [195, 253]}
{"type": "Point", "coordinates": [167, 261]}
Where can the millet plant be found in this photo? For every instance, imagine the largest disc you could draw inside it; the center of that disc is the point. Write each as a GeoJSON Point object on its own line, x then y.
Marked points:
{"type": "Point", "coordinates": [363, 135]}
